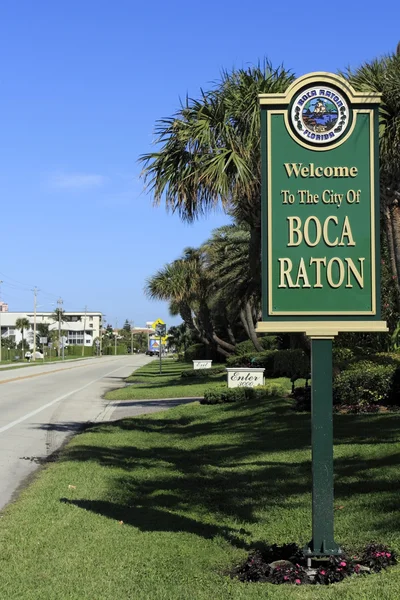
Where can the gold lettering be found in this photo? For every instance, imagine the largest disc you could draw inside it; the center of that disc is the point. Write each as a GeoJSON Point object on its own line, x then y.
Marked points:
{"type": "Point", "coordinates": [329, 272]}
{"type": "Point", "coordinates": [325, 234]}
{"type": "Point", "coordinates": [346, 232]}
{"type": "Point", "coordinates": [285, 272]}
{"type": "Point", "coordinates": [359, 275]}
{"type": "Point", "coordinates": [318, 231]}
{"type": "Point", "coordinates": [318, 262]}
{"type": "Point", "coordinates": [302, 274]}
{"type": "Point", "coordinates": [294, 230]}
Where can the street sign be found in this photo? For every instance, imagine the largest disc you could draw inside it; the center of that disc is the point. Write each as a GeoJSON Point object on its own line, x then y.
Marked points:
{"type": "Point", "coordinates": [161, 329]}
{"type": "Point", "coordinates": [43, 340]}
{"type": "Point", "coordinates": [157, 322]}
{"type": "Point", "coordinates": [320, 242]}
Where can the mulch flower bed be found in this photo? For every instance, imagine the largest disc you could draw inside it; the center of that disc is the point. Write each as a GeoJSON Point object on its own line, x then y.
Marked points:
{"type": "Point", "coordinates": [287, 564]}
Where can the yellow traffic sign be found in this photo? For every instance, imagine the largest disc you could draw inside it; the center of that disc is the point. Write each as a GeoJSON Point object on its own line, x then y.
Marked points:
{"type": "Point", "coordinates": [158, 322]}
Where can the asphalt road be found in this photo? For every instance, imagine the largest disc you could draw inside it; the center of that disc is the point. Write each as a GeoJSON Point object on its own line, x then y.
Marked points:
{"type": "Point", "coordinates": [40, 406]}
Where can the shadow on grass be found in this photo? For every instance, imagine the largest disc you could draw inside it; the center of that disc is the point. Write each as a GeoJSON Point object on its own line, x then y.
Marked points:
{"type": "Point", "coordinates": [243, 459]}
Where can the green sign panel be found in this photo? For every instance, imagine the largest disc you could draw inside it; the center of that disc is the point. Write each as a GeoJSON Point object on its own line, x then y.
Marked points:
{"type": "Point", "coordinates": [320, 204]}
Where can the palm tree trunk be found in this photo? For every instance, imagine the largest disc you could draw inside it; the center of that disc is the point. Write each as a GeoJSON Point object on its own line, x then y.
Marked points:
{"type": "Point", "coordinates": [231, 334]}
{"type": "Point", "coordinates": [387, 218]}
{"type": "Point", "coordinates": [395, 212]}
{"type": "Point", "coordinates": [244, 322]}
{"type": "Point", "coordinates": [250, 323]}
{"type": "Point", "coordinates": [229, 347]}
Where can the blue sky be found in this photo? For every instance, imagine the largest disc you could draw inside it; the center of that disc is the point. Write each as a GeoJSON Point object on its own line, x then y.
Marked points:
{"type": "Point", "coordinates": [82, 85]}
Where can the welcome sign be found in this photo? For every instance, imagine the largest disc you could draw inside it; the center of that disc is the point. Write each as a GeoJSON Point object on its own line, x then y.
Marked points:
{"type": "Point", "coordinates": [320, 199]}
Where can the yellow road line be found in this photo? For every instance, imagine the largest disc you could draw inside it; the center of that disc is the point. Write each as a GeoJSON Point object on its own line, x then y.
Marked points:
{"type": "Point", "coordinates": [39, 374]}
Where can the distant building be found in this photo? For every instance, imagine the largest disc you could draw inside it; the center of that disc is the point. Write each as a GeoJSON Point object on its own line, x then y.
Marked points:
{"type": "Point", "coordinates": [80, 329]}
{"type": "Point", "coordinates": [3, 307]}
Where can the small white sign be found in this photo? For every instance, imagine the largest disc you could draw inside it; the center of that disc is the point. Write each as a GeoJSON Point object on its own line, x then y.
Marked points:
{"type": "Point", "coordinates": [43, 340]}
{"type": "Point", "coordinates": [245, 377]}
{"type": "Point", "coordinates": [202, 364]}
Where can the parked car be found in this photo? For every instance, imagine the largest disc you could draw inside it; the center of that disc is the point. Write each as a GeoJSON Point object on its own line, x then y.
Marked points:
{"type": "Point", "coordinates": [149, 352]}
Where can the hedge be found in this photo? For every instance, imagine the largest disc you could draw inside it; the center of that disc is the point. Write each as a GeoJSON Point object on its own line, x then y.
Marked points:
{"type": "Point", "coordinates": [224, 395]}
{"type": "Point", "coordinates": [195, 352]}
{"type": "Point", "coordinates": [367, 382]}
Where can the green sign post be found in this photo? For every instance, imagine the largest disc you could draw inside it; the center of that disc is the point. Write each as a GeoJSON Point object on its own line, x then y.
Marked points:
{"type": "Point", "coordinates": [320, 256]}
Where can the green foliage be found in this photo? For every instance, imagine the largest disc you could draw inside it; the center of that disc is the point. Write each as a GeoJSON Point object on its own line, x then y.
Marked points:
{"type": "Point", "coordinates": [255, 359]}
{"type": "Point", "coordinates": [268, 342]}
{"type": "Point", "coordinates": [225, 394]}
{"type": "Point", "coordinates": [342, 357]}
{"type": "Point", "coordinates": [201, 373]}
{"type": "Point", "coordinates": [366, 382]}
{"type": "Point", "coordinates": [110, 350]}
{"type": "Point", "coordinates": [127, 326]}
{"type": "Point", "coordinates": [294, 364]}
{"type": "Point", "coordinates": [195, 352]}
{"type": "Point", "coordinates": [75, 350]}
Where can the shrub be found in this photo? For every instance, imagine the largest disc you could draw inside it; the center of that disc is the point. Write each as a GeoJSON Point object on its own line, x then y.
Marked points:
{"type": "Point", "coordinates": [224, 395]}
{"type": "Point", "coordinates": [291, 363]}
{"type": "Point", "coordinates": [202, 372]}
{"type": "Point", "coordinates": [255, 359]}
{"type": "Point", "coordinates": [268, 342]}
{"type": "Point", "coordinates": [302, 398]}
{"type": "Point", "coordinates": [342, 358]}
{"type": "Point", "coordinates": [195, 352]}
{"type": "Point", "coordinates": [365, 382]}
{"type": "Point", "coordinates": [269, 390]}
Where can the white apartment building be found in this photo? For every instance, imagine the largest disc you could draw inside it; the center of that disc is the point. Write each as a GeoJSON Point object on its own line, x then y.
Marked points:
{"type": "Point", "coordinates": [80, 328]}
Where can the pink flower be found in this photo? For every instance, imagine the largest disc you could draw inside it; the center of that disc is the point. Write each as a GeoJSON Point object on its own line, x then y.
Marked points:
{"type": "Point", "coordinates": [343, 563]}
{"type": "Point", "coordinates": [322, 572]}
{"type": "Point", "coordinates": [286, 578]}
{"type": "Point", "coordinates": [388, 554]}
{"type": "Point", "coordinates": [297, 581]}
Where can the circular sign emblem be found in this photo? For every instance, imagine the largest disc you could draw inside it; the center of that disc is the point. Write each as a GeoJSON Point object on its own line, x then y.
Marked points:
{"type": "Point", "coordinates": [320, 115]}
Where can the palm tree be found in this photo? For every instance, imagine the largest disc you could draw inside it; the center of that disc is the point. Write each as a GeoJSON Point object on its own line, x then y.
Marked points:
{"type": "Point", "coordinates": [58, 316]}
{"type": "Point", "coordinates": [22, 324]}
{"type": "Point", "coordinates": [185, 284]}
{"type": "Point", "coordinates": [383, 76]}
{"type": "Point", "coordinates": [210, 151]}
{"type": "Point", "coordinates": [234, 286]}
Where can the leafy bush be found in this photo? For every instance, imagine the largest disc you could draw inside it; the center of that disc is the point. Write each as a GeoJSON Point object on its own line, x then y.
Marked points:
{"type": "Point", "coordinates": [255, 359]}
{"type": "Point", "coordinates": [294, 364]}
{"type": "Point", "coordinates": [269, 389]}
{"type": "Point", "coordinates": [224, 395]}
{"type": "Point", "coordinates": [268, 342]}
{"type": "Point", "coordinates": [195, 352]}
{"type": "Point", "coordinates": [121, 349]}
{"type": "Point", "coordinates": [365, 382]}
{"type": "Point", "coordinates": [302, 398]}
{"type": "Point", "coordinates": [342, 358]}
{"type": "Point", "coordinates": [201, 373]}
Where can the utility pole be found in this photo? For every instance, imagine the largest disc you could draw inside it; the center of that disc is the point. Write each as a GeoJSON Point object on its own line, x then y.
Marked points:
{"type": "Point", "coordinates": [35, 291]}
{"type": "Point", "coordinates": [60, 303]}
{"type": "Point", "coordinates": [115, 337]}
{"type": "Point", "coordinates": [84, 333]}
{"type": "Point", "coordinates": [0, 321]}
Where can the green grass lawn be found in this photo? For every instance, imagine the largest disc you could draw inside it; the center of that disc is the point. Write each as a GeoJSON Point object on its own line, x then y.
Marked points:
{"type": "Point", "coordinates": [148, 383]}
{"type": "Point", "coordinates": [160, 507]}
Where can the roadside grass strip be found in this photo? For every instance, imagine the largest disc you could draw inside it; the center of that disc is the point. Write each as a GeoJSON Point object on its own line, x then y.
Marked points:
{"type": "Point", "coordinates": [147, 383]}
{"type": "Point", "coordinates": [162, 506]}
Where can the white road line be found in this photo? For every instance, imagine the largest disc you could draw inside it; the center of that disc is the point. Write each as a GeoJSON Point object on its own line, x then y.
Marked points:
{"type": "Point", "coordinates": [38, 410]}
